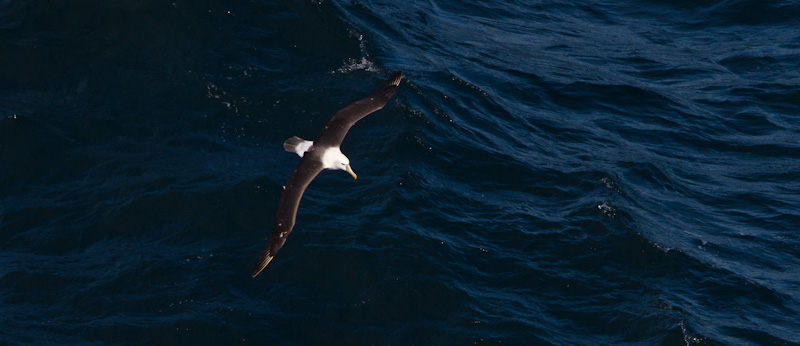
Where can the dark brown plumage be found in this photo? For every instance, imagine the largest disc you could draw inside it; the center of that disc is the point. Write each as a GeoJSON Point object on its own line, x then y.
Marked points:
{"type": "Point", "coordinates": [313, 161]}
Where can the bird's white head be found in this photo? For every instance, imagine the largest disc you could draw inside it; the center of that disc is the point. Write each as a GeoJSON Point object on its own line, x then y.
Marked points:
{"type": "Point", "coordinates": [334, 159]}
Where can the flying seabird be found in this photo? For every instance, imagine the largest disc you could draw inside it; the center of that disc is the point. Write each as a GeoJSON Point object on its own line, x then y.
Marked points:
{"type": "Point", "coordinates": [322, 153]}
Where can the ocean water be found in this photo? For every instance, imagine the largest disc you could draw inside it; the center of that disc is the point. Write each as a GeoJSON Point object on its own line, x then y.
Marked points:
{"type": "Point", "coordinates": [548, 173]}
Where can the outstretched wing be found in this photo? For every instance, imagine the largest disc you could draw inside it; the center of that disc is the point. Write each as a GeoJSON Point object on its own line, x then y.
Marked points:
{"type": "Point", "coordinates": [310, 165]}
{"type": "Point", "coordinates": [306, 171]}
{"type": "Point", "coordinates": [334, 132]}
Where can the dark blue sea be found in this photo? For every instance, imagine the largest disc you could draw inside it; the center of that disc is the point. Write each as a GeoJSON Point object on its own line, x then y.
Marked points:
{"type": "Point", "coordinates": [548, 172]}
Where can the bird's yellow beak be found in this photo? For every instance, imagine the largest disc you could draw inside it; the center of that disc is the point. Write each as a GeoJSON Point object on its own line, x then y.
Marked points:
{"type": "Point", "coordinates": [350, 170]}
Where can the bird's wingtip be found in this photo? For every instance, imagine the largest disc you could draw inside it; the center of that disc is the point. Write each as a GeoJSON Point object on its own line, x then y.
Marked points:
{"type": "Point", "coordinates": [396, 77]}
{"type": "Point", "coordinates": [262, 263]}
{"type": "Point", "coordinates": [386, 90]}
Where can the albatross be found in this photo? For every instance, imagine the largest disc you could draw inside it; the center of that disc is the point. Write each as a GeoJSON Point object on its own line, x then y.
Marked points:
{"type": "Point", "coordinates": [322, 153]}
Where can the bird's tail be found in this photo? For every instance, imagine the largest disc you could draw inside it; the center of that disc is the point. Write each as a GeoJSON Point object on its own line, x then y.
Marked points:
{"type": "Point", "coordinates": [297, 145]}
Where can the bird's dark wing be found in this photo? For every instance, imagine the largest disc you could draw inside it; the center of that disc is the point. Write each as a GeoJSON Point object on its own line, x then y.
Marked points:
{"type": "Point", "coordinates": [334, 132]}
{"type": "Point", "coordinates": [306, 171]}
